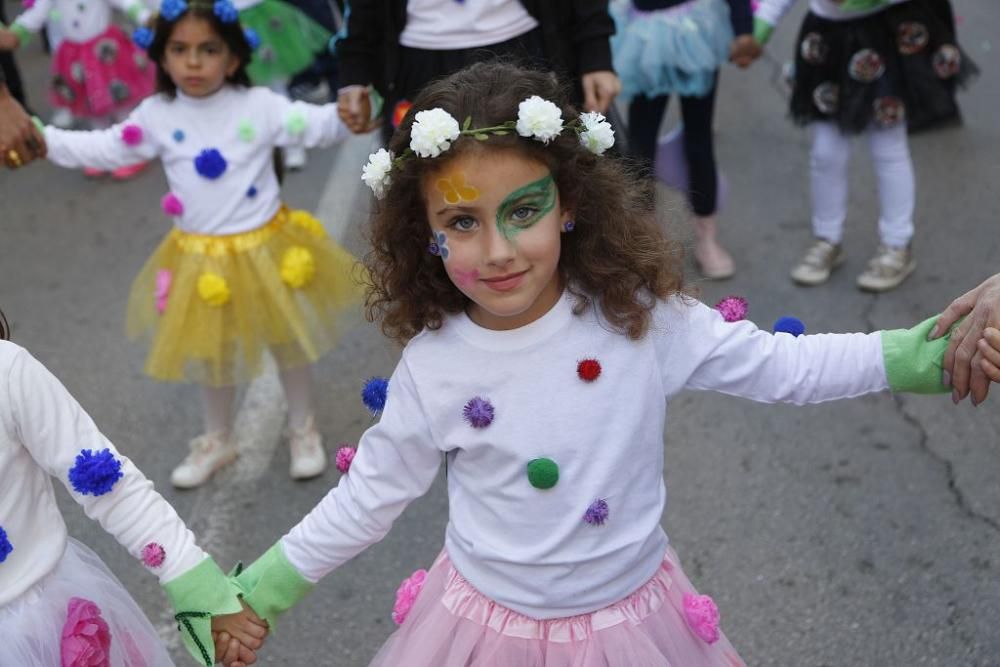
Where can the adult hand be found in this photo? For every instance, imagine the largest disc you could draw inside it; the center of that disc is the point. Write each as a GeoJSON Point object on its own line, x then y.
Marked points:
{"type": "Point", "coordinates": [744, 50]}
{"type": "Point", "coordinates": [599, 90]}
{"type": "Point", "coordinates": [989, 346]}
{"type": "Point", "coordinates": [8, 40]}
{"type": "Point", "coordinates": [20, 141]}
{"type": "Point", "coordinates": [964, 367]}
{"type": "Point", "coordinates": [354, 106]}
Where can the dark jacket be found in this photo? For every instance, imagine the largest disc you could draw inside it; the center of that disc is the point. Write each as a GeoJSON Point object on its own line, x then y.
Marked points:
{"type": "Point", "coordinates": [740, 12]}
{"type": "Point", "coordinates": [575, 36]}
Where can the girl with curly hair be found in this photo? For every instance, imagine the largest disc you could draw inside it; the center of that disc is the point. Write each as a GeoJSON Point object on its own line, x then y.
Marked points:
{"type": "Point", "coordinates": [545, 324]}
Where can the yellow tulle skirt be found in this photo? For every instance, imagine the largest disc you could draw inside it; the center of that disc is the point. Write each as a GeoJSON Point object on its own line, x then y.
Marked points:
{"type": "Point", "coordinates": [210, 306]}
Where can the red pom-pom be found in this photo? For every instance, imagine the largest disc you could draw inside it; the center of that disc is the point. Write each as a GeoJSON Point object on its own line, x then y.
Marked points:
{"type": "Point", "coordinates": [588, 369]}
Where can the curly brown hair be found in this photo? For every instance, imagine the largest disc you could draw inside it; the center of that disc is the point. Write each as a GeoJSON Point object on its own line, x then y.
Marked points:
{"type": "Point", "coordinates": [617, 254]}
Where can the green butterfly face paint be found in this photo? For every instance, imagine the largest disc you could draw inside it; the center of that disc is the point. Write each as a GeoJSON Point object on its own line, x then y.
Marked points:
{"type": "Point", "coordinates": [524, 207]}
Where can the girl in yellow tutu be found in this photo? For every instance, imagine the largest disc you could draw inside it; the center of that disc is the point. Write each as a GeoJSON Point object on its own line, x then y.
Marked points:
{"type": "Point", "coordinates": [240, 273]}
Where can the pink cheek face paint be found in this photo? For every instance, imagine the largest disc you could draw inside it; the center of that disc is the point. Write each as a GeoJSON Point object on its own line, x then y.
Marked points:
{"type": "Point", "coordinates": [465, 279]}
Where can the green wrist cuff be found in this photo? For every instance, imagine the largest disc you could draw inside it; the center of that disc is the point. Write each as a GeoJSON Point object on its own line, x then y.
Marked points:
{"type": "Point", "coordinates": [762, 30]}
{"type": "Point", "coordinates": [272, 585]}
{"type": "Point", "coordinates": [23, 34]}
{"type": "Point", "coordinates": [39, 125]}
{"type": "Point", "coordinates": [197, 595]}
{"type": "Point", "coordinates": [913, 363]}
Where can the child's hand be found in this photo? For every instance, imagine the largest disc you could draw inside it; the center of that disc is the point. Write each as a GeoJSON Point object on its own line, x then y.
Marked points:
{"type": "Point", "coordinates": [231, 653]}
{"type": "Point", "coordinates": [246, 629]}
{"type": "Point", "coordinates": [8, 40]}
{"type": "Point", "coordinates": [744, 50]}
{"type": "Point", "coordinates": [989, 347]}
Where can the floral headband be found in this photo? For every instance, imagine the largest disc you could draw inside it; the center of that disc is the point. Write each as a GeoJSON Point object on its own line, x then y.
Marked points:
{"type": "Point", "coordinates": [434, 131]}
{"type": "Point", "coordinates": [172, 9]}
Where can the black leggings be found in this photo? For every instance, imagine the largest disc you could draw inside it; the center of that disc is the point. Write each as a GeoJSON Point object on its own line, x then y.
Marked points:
{"type": "Point", "coordinates": [644, 117]}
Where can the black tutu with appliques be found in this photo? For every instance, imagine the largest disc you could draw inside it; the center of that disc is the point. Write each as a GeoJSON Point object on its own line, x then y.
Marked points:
{"type": "Point", "coordinates": [900, 65]}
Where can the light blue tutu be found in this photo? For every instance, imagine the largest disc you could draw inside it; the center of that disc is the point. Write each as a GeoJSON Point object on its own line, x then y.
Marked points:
{"type": "Point", "coordinates": [670, 51]}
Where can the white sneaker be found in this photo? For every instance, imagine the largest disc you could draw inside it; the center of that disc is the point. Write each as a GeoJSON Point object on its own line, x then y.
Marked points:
{"type": "Point", "coordinates": [887, 269]}
{"type": "Point", "coordinates": [818, 263]}
{"type": "Point", "coordinates": [295, 158]}
{"type": "Point", "coordinates": [209, 453]}
{"type": "Point", "coordinates": [308, 457]}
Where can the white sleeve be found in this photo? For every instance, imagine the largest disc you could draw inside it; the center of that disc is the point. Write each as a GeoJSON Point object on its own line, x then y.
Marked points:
{"type": "Point", "coordinates": [57, 432]}
{"type": "Point", "coordinates": [739, 359]}
{"type": "Point", "coordinates": [396, 463]}
{"type": "Point", "coordinates": [33, 19]}
{"type": "Point", "coordinates": [126, 143]}
{"type": "Point", "coordinates": [772, 10]}
{"type": "Point", "coordinates": [304, 124]}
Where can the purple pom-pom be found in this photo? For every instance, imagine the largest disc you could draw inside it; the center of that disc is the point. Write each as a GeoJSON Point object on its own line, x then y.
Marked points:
{"type": "Point", "coordinates": [95, 473]}
{"type": "Point", "coordinates": [5, 546]}
{"type": "Point", "coordinates": [733, 308]}
{"type": "Point", "coordinates": [792, 325]}
{"type": "Point", "coordinates": [142, 37]}
{"type": "Point", "coordinates": [210, 163]}
{"type": "Point", "coordinates": [172, 9]}
{"type": "Point", "coordinates": [226, 11]}
{"type": "Point", "coordinates": [253, 39]}
{"type": "Point", "coordinates": [374, 394]}
{"type": "Point", "coordinates": [478, 412]}
{"type": "Point", "coordinates": [597, 513]}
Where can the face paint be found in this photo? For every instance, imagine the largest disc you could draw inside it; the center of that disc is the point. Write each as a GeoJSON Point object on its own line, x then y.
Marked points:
{"type": "Point", "coordinates": [465, 278]}
{"type": "Point", "coordinates": [455, 190]}
{"type": "Point", "coordinates": [441, 241]}
{"type": "Point", "coordinates": [531, 202]}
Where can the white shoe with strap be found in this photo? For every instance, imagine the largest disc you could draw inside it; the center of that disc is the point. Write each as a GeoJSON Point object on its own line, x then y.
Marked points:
{"type": "Point", "coordinates": [308, 457]}
{"type": "Point", "coordinates": [887, 269]}
{"type": "Point", "coordinates": [209, 453]}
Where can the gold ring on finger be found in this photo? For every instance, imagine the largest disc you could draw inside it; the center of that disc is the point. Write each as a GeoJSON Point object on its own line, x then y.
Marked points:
{"type": "Point", "coordinates": [14, 158]}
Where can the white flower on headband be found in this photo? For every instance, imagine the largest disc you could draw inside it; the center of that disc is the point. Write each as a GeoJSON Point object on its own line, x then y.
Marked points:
{"type": "Point", "coordinates": [375, 174]}
{"type": "Point", "coordinates": [539, 119]}
{"type": "Point", "coordinates": [432, 132]}
{"type": "Point", "coordinates": [597, 135]}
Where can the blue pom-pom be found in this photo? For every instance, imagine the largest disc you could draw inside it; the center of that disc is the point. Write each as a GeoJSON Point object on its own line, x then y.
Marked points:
{"type": "Point", "coordinates": [5, 546]}
{"type": "Point", "coordinates": [172, 9]}
{"type": "Point", "coordinates": [226, 11]}
{"type": "Point", "coordinates": [210, 163]}
{"type": "Point", "coordinates": [253, 39]}
{"type": "Point", "coordinates": [95, 473]}
{"type": "Point", "coordinates": [142, 37]}
{"type": "Point", "coordinates": [792, 325]}
{"type": "Point", "coordinates": [374, 394]}
{"type": "Point", "coordinates": [252, 192]}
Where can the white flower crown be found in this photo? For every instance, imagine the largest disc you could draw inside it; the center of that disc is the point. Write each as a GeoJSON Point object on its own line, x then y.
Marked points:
{"type": "Point", "coordinates": [434, 131]}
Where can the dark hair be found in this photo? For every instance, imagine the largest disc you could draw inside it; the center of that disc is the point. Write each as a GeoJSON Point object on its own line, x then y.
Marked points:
{"type": "Point", "coordinates": [617, 253]}
{"type": "Point", "coordinates": [4, 327]}
{"type": "Point", "coordinates": [231, 33]}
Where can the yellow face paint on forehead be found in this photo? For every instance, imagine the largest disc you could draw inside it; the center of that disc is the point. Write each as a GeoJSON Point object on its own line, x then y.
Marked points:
{"type": "Point", "coordinates": [454, 188]}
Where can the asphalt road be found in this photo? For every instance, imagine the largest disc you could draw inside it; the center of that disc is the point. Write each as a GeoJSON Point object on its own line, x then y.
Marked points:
{"type": "Point", "coordinates": [865, 532]}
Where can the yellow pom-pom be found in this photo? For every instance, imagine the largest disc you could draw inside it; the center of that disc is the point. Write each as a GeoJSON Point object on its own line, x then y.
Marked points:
{"type": "Point", "coordinates": [213, 289]}
{"type": "Point", "coordinates": [297, 266]}
{"type": "Point", "coordinates": [307, 222]}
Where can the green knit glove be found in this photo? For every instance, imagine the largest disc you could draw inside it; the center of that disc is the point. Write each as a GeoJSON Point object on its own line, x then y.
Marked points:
{"type": "Point", "coordinates": [762, 30]}
{"type": "Point", "coordinates": [23, 34]}
{"type": "Point", "coordinates": [913, 363]}
{"type": "Point", "coordinates": [197, 595]}
{"type": "Point", "coordinates": [272, 585]}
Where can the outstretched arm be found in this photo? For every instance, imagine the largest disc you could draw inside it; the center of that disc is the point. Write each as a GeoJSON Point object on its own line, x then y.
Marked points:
{"type": "Point", "coordinates": [121, 145]}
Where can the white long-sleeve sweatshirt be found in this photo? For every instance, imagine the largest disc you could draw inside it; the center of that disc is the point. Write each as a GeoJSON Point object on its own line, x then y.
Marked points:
{"type": "Point", "coordinates": [42, 432]}
{"type": "Point", "coordinates": [772, 10]}
{"type": "Point", "coordinates": [527, 548]}
{"type": "Point", "coordinates": [242, 125]}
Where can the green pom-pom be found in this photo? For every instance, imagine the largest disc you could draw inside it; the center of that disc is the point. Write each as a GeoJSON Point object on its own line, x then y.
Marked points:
{"type": "Point", "coordinates": [246, 131]}
{"type": "Point", "coordinates": [296, 123]}
{"type": "Point", "coordinates": [543, 473]}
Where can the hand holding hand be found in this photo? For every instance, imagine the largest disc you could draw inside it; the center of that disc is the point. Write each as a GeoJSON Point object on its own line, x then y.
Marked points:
{"type": "Point", "coordinates": [354, 106]}
{"type": "Point", "coordinates": [599, 90]}
{"type": "Point", "coordinates": [20, 141]}
{"type": "Point", "coordinates": [744, 50]}
{"type": "Point", "coordinates": [9, 40]}
{"type": "Point", "coordinates": [238, 636]}
{"type": "Point", "coordinates": [989, 347]}
{"type": "Point", "coordinates": [966, 368]}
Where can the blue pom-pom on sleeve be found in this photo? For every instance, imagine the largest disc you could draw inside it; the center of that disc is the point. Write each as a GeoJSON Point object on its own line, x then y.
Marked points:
{"type": "Point", "coordinates": [142, 37]}
{"type": "Point", "coordinates": [792, 325]}
{"type": "Point", "coordinates": [5, 546]}
{"type": "Point", "coordinates": [94, 473]}
{"type": "Point", "coordinates": [374, 394]}
{"type": "Point", "coordinates": [253, 39]}
{"type": "Point", "coordinates": [210, 163]}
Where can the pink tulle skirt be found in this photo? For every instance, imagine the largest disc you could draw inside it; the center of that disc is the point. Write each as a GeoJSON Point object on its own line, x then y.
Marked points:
{"type": "Point", "coordinates": [102, 76]}
{"type": "Point", "coordinates": [452, 624]}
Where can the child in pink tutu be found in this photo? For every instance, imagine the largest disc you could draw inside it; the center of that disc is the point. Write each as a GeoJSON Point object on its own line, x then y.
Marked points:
{"type": "Point", "coordinates": [545, 324]}
{"type": "Point", "coordinates": [97, 73]}
{"type": "Point", "coordinates": [59, 603]}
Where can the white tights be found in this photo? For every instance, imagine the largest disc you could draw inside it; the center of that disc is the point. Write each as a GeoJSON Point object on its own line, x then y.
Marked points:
{"type": "Point", "coordinates": [890, 152]}
{"type": "Point", "coordinates": [217, 402]}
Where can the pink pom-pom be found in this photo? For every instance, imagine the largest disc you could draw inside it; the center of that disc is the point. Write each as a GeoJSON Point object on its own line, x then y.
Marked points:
{"type": "Point", "coordinates": [153, 555]}
{"type": "Point", "coordinates": [132, 135]}
{"type": "Point", "coordinates": [163, 279]}
{"type": "Point", "coordinates": [171, 204]}
{"type": "Point", "coordinates": [27, 4]}
{"type": "Point", "coordinates": [407, 594]}
{"type": "Point", "coordinates": [733, 308]}
{"type": "Point", "coordinates": [702, 617]}
{"type": "Point", "coordinates": [344, 457]}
